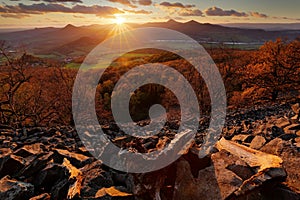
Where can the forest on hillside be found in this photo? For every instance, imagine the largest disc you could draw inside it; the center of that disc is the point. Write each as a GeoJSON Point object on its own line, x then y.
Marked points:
{"type": "Point", "coordinates": [38, 92]}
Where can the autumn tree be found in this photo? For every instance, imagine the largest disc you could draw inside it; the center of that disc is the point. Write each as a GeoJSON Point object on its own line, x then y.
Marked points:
{"type": "Point", "coordinates": [12, 78]}
{"type": "Point", "coordinates": [277, 67]}
{"type": "Point", "coordinates": [32, 92]}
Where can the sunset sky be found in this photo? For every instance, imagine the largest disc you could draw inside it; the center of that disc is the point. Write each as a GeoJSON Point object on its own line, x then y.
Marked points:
{"type": "Point", "coordinates": [41, 13]}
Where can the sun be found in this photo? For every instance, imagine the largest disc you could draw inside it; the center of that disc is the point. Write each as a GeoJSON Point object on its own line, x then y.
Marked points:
{"type": "Point", "coordinates": [119, 20]}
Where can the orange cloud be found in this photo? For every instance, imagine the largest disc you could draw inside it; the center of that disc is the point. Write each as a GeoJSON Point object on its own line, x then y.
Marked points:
{"type": "Point", "coordinates": [145, 12]}
{"type": "Point", "coordinates": [258, 15]}
{"type": "Point", "coordinates": [124, 2]}
{"type": "Point", "coordinates": [189, 12]}
{"type": "Point", "coordinates": [144, 2]}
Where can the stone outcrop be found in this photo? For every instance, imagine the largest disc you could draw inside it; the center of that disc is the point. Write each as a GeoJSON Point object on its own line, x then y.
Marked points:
{"type": "Point", "coordinates": [257, 157]}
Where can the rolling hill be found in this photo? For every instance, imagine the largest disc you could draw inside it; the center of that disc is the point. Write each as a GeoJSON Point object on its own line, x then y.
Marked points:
{"type": "Point", "coordinates": [76, 41]}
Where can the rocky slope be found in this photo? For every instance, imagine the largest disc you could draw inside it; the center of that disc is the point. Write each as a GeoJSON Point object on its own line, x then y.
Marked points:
{"type": "Point", "coordinates": [257, 158]}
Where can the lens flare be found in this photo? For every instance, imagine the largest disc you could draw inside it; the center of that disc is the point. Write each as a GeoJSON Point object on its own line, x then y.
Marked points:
{"type": "Point", "coordinates": [120, 20]}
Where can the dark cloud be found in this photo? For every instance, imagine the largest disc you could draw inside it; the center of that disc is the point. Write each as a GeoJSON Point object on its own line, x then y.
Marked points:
{"type": "Point", "coordinates": [124, 2]}
{"type": "Point", "coordinates": [258, 15]}
{"type": "Point", "coordinates": [144, 2]}
{"type": "Point", "coordinates": [215, 11]}
{"type": "Point", "coordinates": [180, 9]}
{"type": "Point", "coordinates": [102, 11]}
{"type": "Point", "coordinates": [189, 12]}
{"type": "Point", "coordinates": [39, 8]}
{"type": "Point", "coordinates": [175, 5]}
{"type": "Point", "coordinates": [145, 12]}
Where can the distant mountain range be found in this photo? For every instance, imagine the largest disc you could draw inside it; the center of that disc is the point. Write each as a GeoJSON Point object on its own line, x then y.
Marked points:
{"type": "Point", "coordinates": [265, 26]}
{"type": "Point", "coordinates": [74, 41]}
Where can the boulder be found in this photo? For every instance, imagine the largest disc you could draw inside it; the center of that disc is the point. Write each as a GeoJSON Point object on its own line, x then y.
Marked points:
{"type": "Point", "coordinates": [5, 151]}
{"type": "Point", "coordinates": [94, 178]}
{"type": "Point", "coordinates": [242, 138]}
{"type": "Point", "coordinates": [274, 147]}
{"type": "Point", "coordinates": [75, 180]}
{"type": "Point", "coordinates": [214, 182]}
{"type": "Point", "coordinates": [282, 122]}
{"type": "Point", "coordinates": [221, 180]}
{"type": "Point", "coordinates": [52, 175]}
{"type": "Point", "coordinates": [205, 186]}
{"type": "Point", "coordinates": [288, 136]}
{"type": "Point", "coordinates": [228, 181]}
{"type": "Point", "coordinates": [39, 162]}
{"type": "Point", "coordinates": [291, 160]}
{"type": "Point", "coordinates": [252, 157]}
{"type": "Point", "coordinates": [257, 142]}
{"type": "Point", "coordinates": [268, 167]}
{"type": "Point", "coordinates": [148, 185]}
{"type": "Point", "coordinates": [295, 119]}
{"type": "Point", "coordinates": [15, 190]}
{"type": "Point", "coordinates": [10, 165]}
{"type": "Point", "coordinates": [44, 196]}
{"type": "Point", "coordinates": [59, 190]}
{"type": "Point", "coordinates": [225, 160]}
{"type": "Point", "coordinates": [260, 129]}
{"type": "Point", "coordinates": [78, 160]}
{"type": "Point", "coordinates": [276, 131]}
{"type": "Point", "coordinates": [29, 150]}
{"type": "Point", "coordinates": [292, 129]}
{"type": "Point", "coordinates": [113, 192]}
{"type": "Point", "coordinates": [296, 108]}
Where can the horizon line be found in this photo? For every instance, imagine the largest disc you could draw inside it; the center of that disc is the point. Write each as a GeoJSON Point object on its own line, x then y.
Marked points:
{"type": "Point", "coordinates": [136, 23]}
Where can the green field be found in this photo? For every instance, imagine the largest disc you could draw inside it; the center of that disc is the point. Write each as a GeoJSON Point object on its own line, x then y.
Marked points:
{"type": "Point", "coordinates": [72, 65]}
{"type": "Point", "coordinates": [130, 56]}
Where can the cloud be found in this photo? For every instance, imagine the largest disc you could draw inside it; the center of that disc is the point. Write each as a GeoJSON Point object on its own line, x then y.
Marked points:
{"type": "Point", "coordinates": [145, 2]}
{"type": "Point", "coordinates": [258, 15]}
{"type": "Point", "coordinates": [123, 2]}
{"type": "Point", "coordinates": [60, 1]}
{"type": "Point", "coordinates": [189, 12]}
{"type": "Point", "coordinates": [16, 16]}
{"type": "Point", "coordinates": [78, 16]}
{"type": "Point", "coordinates": [175, 5]}
{"type": "Point", "coordinates": [215, 11]}
{"type": "Point", "coordinates": [179, 9]}
{"type": "Point", "coordinates": [39, 8]}
{"type": "Point", "coordinates": [286, 18]}
{"type": "Point", "coordinates": [144, 12]}
{"type": "Point", "coordinates": [102, 11]}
